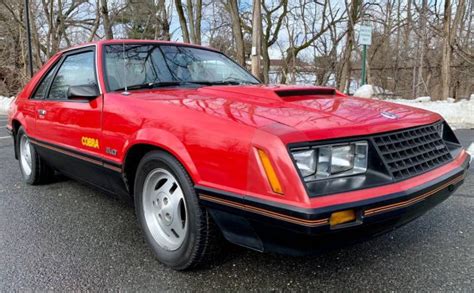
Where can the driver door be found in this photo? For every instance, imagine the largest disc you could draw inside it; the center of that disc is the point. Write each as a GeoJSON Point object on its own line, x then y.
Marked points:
{"type": "Point", "coordinates": [69, 130]}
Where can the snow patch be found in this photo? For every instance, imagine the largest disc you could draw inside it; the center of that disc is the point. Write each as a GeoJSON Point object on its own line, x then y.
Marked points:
{"type": "Point", "coordinates": [423, 99]}
{"type": "Point", "coordinates": [459, 114]}
{"type": "Point", "coordinates": [365, 91]}
{"type": "Point", "coordinates": [371, 91]}
{"type": "Point", "coordinates": [470, 149]}
{"type": "Point", "coordinates": [5, 104]}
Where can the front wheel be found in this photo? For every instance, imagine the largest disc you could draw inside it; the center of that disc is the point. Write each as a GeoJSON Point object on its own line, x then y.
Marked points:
{"type": "Point", "coordinates": [178, 230]}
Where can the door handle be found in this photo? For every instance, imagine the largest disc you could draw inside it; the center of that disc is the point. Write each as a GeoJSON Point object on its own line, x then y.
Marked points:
{"type": "Point", "coordinates": [42, 112]}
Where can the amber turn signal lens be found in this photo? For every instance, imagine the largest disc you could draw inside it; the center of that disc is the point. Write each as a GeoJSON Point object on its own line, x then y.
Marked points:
{"type": "Point", "coordinates": [270, 172]}
{"type": "Point", "coordinates": [342, 217]}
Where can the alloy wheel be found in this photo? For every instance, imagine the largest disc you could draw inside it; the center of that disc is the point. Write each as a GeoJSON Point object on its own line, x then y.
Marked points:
{"type": "Point", "coordinates": [165, 209]}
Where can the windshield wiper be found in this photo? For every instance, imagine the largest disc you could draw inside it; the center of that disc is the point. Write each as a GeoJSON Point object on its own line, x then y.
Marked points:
{"type": "Point", "coordinates": [158, 84]}
{"type": "Point", "coordinates": [233, 81]}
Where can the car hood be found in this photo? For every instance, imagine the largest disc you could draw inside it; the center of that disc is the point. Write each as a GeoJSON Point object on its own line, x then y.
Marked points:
{"type": "Point", "coordinates": [312, 112]}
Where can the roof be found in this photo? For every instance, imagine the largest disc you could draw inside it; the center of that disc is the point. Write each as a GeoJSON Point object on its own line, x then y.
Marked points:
{"type": "Point", "coordinates": [135, 41]}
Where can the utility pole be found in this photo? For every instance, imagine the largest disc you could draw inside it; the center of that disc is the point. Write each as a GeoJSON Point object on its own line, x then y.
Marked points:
{"type": "Point", "coordinates": [28, 33]}
{"type": "Point", "coordinates": [256, 38]}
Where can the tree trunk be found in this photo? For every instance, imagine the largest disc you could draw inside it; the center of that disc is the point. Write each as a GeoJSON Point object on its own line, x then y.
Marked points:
{"type": "Point", "coordinates": [456, 32]}
{"type": "Point", "coordinates": [446, 54]}
{"type": "Point", "coordinates": [190, 27]}
{"type": "Point", "coordinates": [265, 63]}
{"type": "Point", "coordinates": [271, 32]}
{"type": "Point", "coordinates": [104, 10]}
{"type": "Point", "coordinates": [182, 21]}
{"type": "Point", "coordinates": [96, 23]}
{"type": "Point", "coordinates": [345, 78]}
{"type": "Point", "coordinates": [197, 20]}
{"type": "Point", "coordinates": [190, 12]}
{"type": "Point", "coordinates": [162, 27]}
{"type": "Point", "coordinates": [422, 48]}
{"type": "Point", "coordinates": [237, 31]}
{"type": "Point", "coordinates": [256, 38]}
{"type": "Point", "coordinates": [346, 66]}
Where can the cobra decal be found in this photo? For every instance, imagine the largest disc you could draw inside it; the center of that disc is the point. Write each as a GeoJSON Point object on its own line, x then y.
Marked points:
{"type": "Point", "coordinates": [90, 142]}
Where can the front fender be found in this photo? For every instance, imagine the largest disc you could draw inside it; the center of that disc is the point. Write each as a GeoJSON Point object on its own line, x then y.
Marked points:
{"type": "Point", "coordinates": [166, 141]}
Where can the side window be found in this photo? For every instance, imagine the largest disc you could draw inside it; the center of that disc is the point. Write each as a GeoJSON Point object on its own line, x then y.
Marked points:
{"type": "Point", "coordinates": [77, 69]}
{"type": "Point", "coordinates": [41, 90]}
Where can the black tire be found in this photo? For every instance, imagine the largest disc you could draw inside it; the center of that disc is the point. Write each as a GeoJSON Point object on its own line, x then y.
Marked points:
{"type": "Point", "coordinates": [40, 173]}
{"type": "Point", "coordinates": [201, 236]}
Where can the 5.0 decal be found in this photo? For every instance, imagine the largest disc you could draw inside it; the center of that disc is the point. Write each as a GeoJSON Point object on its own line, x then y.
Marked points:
{"type": "Point", "coordinates": [111, 151]}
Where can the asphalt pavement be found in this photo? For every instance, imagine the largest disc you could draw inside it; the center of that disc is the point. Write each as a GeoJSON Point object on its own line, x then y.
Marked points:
{"type": "Point", "coordinates": [68, 236]}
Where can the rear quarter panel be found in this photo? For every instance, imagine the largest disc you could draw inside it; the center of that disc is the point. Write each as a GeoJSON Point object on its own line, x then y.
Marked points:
{"type": "Point", "coordinates": [23, 110]}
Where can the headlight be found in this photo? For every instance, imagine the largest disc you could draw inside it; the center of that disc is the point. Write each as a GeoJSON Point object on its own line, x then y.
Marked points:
{"type": "Point", "coordinates": [332, 160]}
{"type": "Point", "coordinates": [306, 162]}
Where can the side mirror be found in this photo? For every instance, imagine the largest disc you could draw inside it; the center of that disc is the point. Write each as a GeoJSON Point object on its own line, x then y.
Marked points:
{"type": "Point", "coordinates": [85, 92]}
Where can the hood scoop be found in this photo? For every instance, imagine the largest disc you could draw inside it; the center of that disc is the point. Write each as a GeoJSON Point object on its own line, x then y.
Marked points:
{"type": "Point", "coordinates": [302, 92]}
{"type": "Point", "coordinates": [276, 92]}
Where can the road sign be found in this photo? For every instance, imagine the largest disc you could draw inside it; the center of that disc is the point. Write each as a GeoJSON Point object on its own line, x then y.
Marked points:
{"type": "Point", "coordinates": [365, 35]}
{"type": "Point", "coordinates": [365, 39]}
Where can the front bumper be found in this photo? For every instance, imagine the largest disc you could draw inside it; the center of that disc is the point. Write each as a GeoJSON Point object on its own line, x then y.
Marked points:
{"type": "Point", "coordinates": [266, 226]}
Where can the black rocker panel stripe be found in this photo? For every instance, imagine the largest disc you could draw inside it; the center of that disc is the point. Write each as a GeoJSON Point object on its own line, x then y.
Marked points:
{"type": "Point", "coordinates": [79, 155]}
{"type": "Point", "coordinates": [89, 169]}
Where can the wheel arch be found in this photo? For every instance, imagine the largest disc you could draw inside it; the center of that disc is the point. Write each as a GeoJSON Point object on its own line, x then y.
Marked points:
{"type": "Point", "coordinates": [152, 140]}
{"type": "Point", "coordinates": [16, 124]}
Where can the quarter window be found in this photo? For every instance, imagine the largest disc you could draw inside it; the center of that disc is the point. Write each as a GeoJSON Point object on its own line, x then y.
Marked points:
{"type": "Point", "coordinates": [42, 89]}
{"type": "Point", "coordinates": [77, 69]}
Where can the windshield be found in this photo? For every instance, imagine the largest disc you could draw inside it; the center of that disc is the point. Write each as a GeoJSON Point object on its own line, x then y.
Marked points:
{"type": "Point", "coordinates": [139, 66]}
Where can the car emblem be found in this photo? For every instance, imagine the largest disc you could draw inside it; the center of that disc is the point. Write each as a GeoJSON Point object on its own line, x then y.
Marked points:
{"type": "Point", "coordinates": [389, 115]}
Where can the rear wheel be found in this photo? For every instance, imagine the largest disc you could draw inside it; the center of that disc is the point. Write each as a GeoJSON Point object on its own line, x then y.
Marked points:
{"type": "Point", "coordinates": [33, 169]}
{"type": "Point", "coordinates": [177, 229]}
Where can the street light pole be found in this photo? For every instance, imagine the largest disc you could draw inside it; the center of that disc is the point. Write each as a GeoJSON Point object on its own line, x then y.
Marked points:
{"type": "Point", "coordinates": [28, 33]}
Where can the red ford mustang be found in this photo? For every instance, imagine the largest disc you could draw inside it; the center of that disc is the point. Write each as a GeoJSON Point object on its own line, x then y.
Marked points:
{"type": "Point", "coordinates": [203, 148]}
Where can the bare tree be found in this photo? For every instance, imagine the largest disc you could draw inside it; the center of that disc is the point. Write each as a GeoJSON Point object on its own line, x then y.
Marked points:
{"type": "Point", "coordinates": [354, 12]}
{"type": "Point", "coordinates": [233, 8]}
{"type": "Point", "coordinates": [96, 23]}
{"type": "Point", "coordinates": [257, 38]}
{"type": "Point", "coordinates": [304, 33]}
{"type": "Point", "coordinates": [272, 30]}
{"type": "Point", "coordinates": [104, 10]}
{"type": "Point", "coordinates": [446, 55]}
{"type": "Point", "coordinates": [162, 17]}
{"type": "Point", "coordinates": [449, 36]}
{"type": "Point", "coordinates": [191, 21]}
{"type": "Point", "coordinates": [419, 47]}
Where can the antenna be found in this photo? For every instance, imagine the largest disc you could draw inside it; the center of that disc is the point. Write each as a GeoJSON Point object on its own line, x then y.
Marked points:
{"type": "Point", "coordinates": [126, 92]}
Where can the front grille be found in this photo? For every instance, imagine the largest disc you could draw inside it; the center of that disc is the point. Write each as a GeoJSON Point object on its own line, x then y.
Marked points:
{"type": "Point", "coordinates": [410, 152]}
